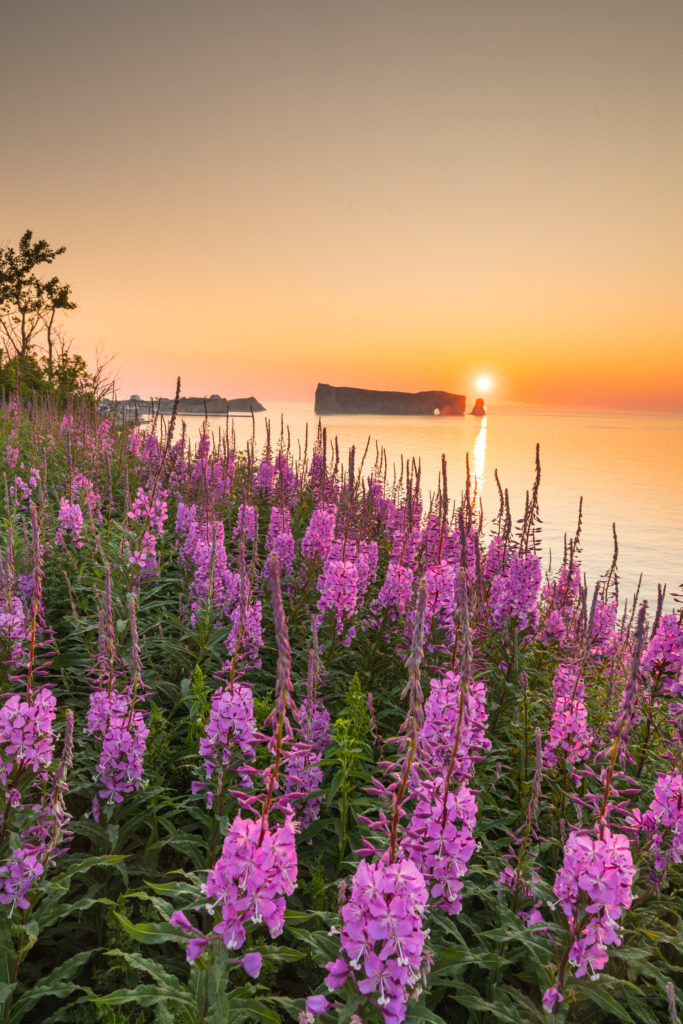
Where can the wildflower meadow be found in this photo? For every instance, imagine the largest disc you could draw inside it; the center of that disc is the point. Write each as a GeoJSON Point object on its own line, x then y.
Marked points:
{"type": "Point", "coordinates": [284, 738]}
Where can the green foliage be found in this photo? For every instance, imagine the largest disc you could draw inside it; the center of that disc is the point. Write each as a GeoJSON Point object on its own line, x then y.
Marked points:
{"type": "Point", "coordinates": [96, 943]}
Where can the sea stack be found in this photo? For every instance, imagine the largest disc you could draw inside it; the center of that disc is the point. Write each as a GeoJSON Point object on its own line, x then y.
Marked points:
{"type": "Point", "coordinates": [479, 408]}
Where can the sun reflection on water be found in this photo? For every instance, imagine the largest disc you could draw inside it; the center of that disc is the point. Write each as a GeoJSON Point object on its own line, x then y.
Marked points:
{"type": "Point", "coordinates": [479, 459]}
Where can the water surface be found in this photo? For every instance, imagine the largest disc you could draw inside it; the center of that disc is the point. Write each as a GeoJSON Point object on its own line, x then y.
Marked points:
{"type": "Point", "coordinates": [628, 467]}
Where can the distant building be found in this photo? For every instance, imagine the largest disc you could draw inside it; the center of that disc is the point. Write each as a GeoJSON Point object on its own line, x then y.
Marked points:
{"type": "Point", "coordinates": [216, 396]}
{"type": "Point", "coordinates": [134, 398]}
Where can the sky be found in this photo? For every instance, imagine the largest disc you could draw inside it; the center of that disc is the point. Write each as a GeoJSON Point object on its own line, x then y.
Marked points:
{"type": "Point", "coordinates": [401, 194]}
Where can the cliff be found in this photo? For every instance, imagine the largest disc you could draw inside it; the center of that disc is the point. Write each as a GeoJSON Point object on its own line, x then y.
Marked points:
{"type": "Point", "coordinates": [214, 406]}
{"type": "Point", "coordinates": [329, 399]}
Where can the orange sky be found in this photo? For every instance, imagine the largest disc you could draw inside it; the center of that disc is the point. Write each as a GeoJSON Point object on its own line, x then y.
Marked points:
{"type": "Point", "coordinates": [379, 193]}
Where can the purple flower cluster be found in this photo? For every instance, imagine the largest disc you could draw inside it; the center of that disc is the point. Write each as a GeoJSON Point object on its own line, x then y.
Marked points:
{"type": "Point", "coordinates": [257, 869]}
{"type": "Point", "coordinates": [247, 520]}
{"type": "Point", "coordinates": [441, 581]}
{"type": "Point", "coordinates": [514, 592]}
{"type": "Point", "coordinates": [83, 491]}
{"type": "Point", "coordinates": [569, 731]}
{"type": "Point", "coordinates": [396, 593]}
{"type": "Point", "coordinates": [22, 489]}
{"type": "Point", "coordinates": [455, 713]}
{"type": "Point", "coordinates": [12, 623]}
{"type": "Point", "coordinates": [366, 565]}
{"type": "Point", "coordinates": [17, 876]}
{"type": "Point", "coordinates": [39, 840]}
{"type": "Point", "coordinates": [231, 728]}
{"type": "Point", "coordinates": [664, 654]}
{"type": "Point", "coordinates": [495, 558]}
{"type": "Point", "coordinates": [148, 513]}
{"type": "Point", "coordinates": [338, 586]}
{"type": "Point", "coordinates": [593, 886]}
{"type": "Point", "coordinates": [663, 820]}
{"type": "Point", "coordinates": [303, 774]}
{"type": "Point", "coordinates": [245, 637]}
{"type": "Point", "coordinates": [265, 476]}
{"type": "Point", "coordinates": [382, 935]}
{"type": "Point", "coordinates": [319, 537]}
{"type": "Point", "coordinates": [152, 510]}
{"type": "Point", "coordinates": [603, 637]}
{"type": "Point", "coordinates": [70, 522]}
{"type": "Point", "coordinates": [440, 840]}
{"type": "Point", "coordinates": [123, 733]}
{"type": "Point", "coordinates": [280, 538]}
{"type": "Point", "coordinates": [26, 739]}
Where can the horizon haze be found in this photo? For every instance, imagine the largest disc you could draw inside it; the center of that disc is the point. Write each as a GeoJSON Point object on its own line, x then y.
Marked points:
{"type": "Point", "coordinates": [260, 197]}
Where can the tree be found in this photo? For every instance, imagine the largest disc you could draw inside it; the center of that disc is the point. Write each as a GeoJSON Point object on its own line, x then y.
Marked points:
{"type": "Point", "coordinates": [28, 304]}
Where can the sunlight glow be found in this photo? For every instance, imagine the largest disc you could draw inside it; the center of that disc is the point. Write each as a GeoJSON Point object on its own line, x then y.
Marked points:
{"type": "Point", "coordinates": [484, 383]}
{"type": "Point", "coordinates": [479, 459]}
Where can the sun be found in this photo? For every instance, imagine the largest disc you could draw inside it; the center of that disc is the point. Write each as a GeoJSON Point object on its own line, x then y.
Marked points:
{"type": "Point", "coordinates": [483, 383]}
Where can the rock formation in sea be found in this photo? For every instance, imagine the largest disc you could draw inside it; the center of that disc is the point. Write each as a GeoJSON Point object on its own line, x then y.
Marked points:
{"type": "Point", "coordinates": [329, 399]}
{"type": "Point", "coordinates": [479, 409]}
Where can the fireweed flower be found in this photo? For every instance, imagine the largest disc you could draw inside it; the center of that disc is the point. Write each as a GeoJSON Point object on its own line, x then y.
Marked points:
{"type": "Point", "coordinates": [247, 519]}
{"type": "Point", "coordinates": [592, 886]}
{"type": "Point", "coordinates": [396, 593]}
{"type": "Point", "coordinates": [13, 623]}
{"type": "Point", "coordinates": [264, 477]}
{"type": "Point", "coordinates": [280, 539]}
{"type": "Point", "coordinates": [559, 604]}
{"type": "Point", "coordinates": [26, 739]}
{"type": "Point", "coordinates": [441, 580]}
{"type": "Point", "coordinates": [245, 637]}
{"type": "Point", "coordinates": [382, 935]}
{"type": "Point", "coordinates": [664, 654]}
{"type": "Point", "coordinates": [18, 875]}
{"type": "Point", "coordinates": [440, 841]}
{"type": "Point", "coordinates": [147, 515]}
{"type": "Point", "coordinates": [663, 820]}
{"type": "Point", "coordinates": [603, 637]}
{"type": "Point", "coordinates": [455, 711]}
{"type": "Point", "coordinates": [495, 561]}
{"type": "Point", "coordinates": [302, 772]}
{"type": "Point", "coordinates": [285, 484]}
{"type": "Point", "coordinates": [569, 731]}
{"type": "Point", "coordinates": [230, 733]}
{"type": "Point", "coordinates": [514, 593]}
{"type": "Point", "coordinates": [302, 780]}
{"type": "Point", "coordinates": [366, 565]}
{"type": "Point", "coordinates": [152, 511]}
{"type": "Point", "coordinates": [83, 491]}
{"type": "Point", "coordinates": [70, 522]}
{"type": "Point", "coordinates": [338, 586]}
{"type": "Point", "coordinates": [319, 536]}
{"type": "Point", "coordinates": [256, 870]}
{"type": "Point", "coordinates": [124, 734]}
{"type": "Point", "coordinates": [134, 443]}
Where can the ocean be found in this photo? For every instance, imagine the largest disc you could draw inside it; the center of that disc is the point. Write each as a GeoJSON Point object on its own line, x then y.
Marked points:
{"type": "Point", "coordinates": [627, 467]}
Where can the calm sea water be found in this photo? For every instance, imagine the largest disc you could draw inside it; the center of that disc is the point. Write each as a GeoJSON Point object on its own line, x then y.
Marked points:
{"type": "Point", "coordinates": [627, 467]}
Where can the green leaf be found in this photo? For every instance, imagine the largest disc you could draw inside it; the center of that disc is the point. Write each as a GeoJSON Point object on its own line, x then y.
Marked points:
{"type": "Point", "coordinates": [143, 995]}
{"type": "Point", "coordinates": [416, 1012]}
{"type": "Point", "coordinates": [56, 985]}
{"type": "Point", "coordinates": [597, 994]}
{"type": "Point", "coordinates": [150, 933]}
{"type": "Point", "coordinates": [253, 1009]}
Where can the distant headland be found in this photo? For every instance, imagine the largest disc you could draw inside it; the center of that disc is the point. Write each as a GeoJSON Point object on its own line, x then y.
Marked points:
{"type": "Point", "coordinates": [329, 399]}
{"type": "Point", "coordinates": [213, 406]}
